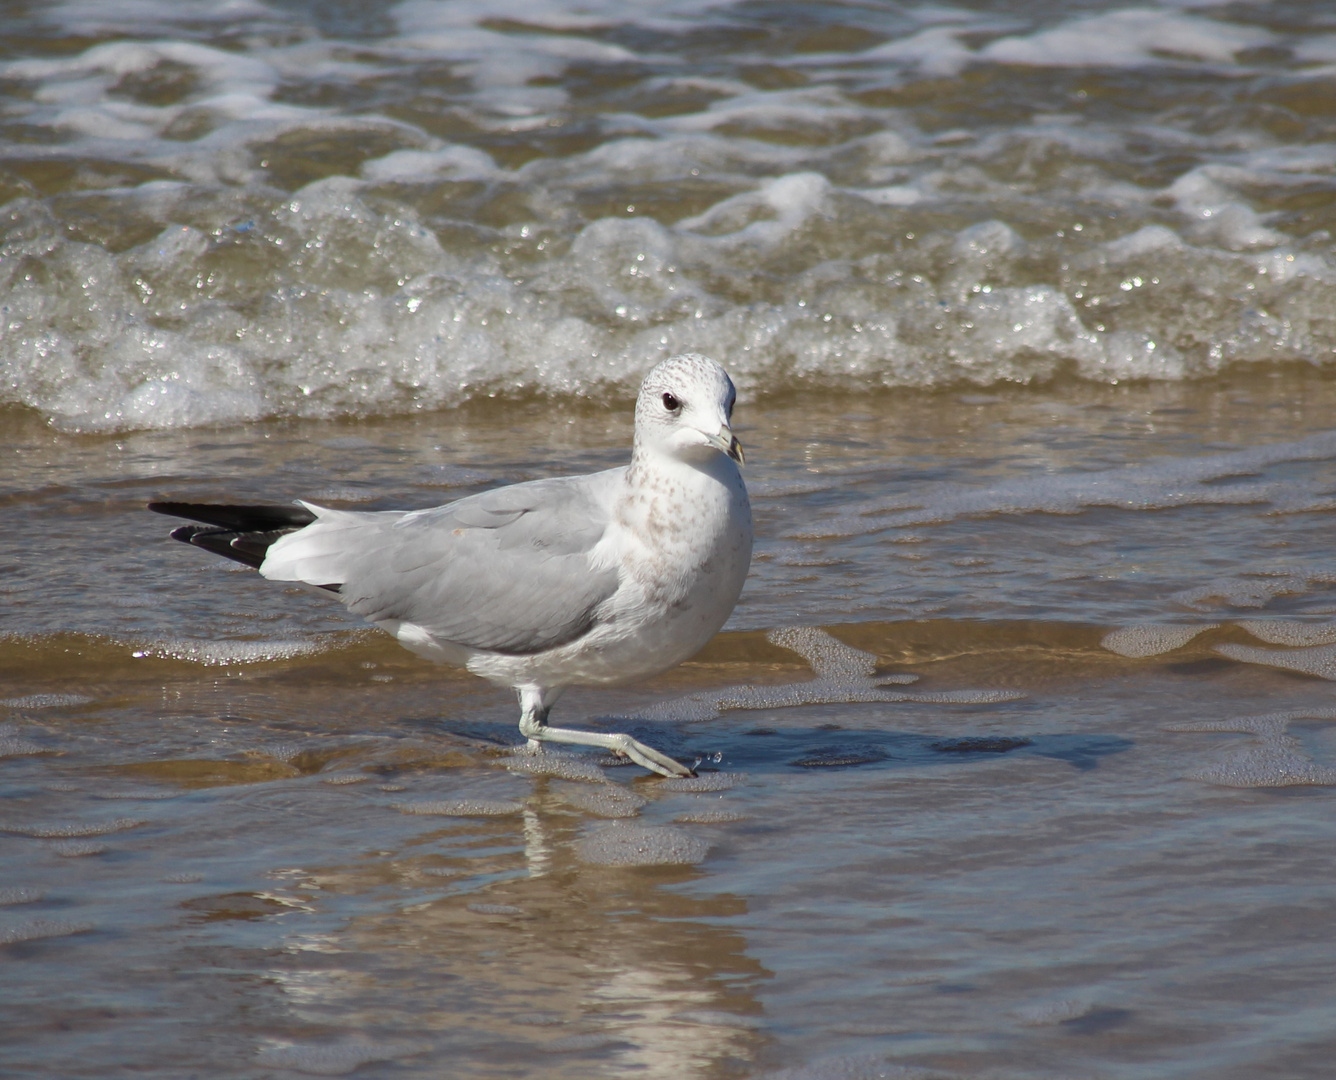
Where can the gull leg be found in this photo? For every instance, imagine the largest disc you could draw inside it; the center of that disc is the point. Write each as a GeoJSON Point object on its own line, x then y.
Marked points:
{"type": "Point", "coordinates": [534, 727]}
{"type": "Point", "coordinates": [535, 704]}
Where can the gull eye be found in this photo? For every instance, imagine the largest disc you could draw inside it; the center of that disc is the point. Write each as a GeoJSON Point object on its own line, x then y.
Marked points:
{"type": "Point", "coordinates": [671, 403]}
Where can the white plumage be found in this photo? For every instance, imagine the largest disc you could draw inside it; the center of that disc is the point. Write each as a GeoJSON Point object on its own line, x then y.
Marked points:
{"type": "Point", "coordinates": [597, 579]}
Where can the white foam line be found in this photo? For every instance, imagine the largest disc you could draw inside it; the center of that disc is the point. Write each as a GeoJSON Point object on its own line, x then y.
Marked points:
{"type": "Point", "coordinates": [844, 675]}
{"type": "Point", "coordinates": [1133, 37]}
{"type": "Point", "coordinates": [226, 653]}
{"type": "Point", "coordinates": [1319, 660]}
{"type": "Point", "coordinates": [1254, 589]}
{"type": "Point", "coordinates": [1273, 759]}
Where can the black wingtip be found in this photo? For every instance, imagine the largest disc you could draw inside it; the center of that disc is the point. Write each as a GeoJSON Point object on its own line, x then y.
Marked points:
{"type": "Point", "coordinates": [222, 542]}
{"type": "Point", "coordinates": [243, 534]}
{"type": "Point", "coordinates": [186, 533]}
{"type": "Point", "coordinates": [238, 518]}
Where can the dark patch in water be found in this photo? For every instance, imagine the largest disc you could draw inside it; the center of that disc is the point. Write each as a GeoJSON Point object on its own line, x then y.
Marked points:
{"type": "Point", "coordinates": [1080, 751]}
{"type": "Point", "coordinates": [979, 744]}
{"type": "Point", "coordinates": [815, 748]}
{"type": "Point", "coordinates": [239, 905]}
{"type": "Point", "coordinates": [837, 757]}
{"type": "Point", "coordinates": [1208, 666]}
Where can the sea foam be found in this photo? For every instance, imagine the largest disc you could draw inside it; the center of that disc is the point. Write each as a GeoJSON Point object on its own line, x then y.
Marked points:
{"type": "Point", "coordinates": [225, 250]}
{"type": "Point", "coordinates": [843, 675]}
{"type": "Point", "coordinates": [634, 845]}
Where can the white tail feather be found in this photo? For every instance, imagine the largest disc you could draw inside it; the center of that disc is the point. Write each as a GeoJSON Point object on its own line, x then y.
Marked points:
{"type": "Point", "coordinates": [319, 553]}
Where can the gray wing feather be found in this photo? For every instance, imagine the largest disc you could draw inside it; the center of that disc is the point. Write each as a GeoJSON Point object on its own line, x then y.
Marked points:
{"type": "Point", "coordinates": [508, 570]}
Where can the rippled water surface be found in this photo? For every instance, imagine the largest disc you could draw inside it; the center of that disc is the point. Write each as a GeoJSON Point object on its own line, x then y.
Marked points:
{"type": "Point", "coordinates": [1017, 757]}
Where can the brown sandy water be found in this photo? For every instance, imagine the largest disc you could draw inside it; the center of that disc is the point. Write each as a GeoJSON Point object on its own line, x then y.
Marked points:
{"type": "Point", "coordinates": [242, 837]}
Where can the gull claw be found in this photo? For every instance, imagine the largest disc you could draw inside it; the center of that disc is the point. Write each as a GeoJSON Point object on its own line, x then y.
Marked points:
{"type": "Point", "coordinates": [649, 758]}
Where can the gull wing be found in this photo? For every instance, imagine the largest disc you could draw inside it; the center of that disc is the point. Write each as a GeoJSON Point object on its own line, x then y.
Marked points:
{"type": "Point", "coordinates": [510, 570]}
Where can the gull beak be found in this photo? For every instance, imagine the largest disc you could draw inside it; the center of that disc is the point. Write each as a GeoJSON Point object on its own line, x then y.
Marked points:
{"type": "Point", "coordinates": [727, 442]}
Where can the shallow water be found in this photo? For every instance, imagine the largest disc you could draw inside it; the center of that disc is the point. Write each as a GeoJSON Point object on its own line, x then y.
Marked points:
{"type": "Point", "coordinates": [1017, 757]}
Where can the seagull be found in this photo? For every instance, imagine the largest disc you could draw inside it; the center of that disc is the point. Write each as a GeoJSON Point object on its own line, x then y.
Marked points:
{"type": "Point", "coordinates": [593, 580]}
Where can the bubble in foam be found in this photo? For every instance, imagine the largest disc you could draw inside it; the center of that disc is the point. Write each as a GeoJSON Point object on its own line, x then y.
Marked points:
{"type": "Point", "coordinates": [67, 830]}
{"type": "Point", "coordinates": [19, 894]}
{"type": "Point", "coordinates": [696, 707]}
{"type": "Point", "coordinates": [1268, 724]}
{"type": "Point", "coordinates": [987, 238]}
{"type": "Point", "coordinates": [644, 285]}
{"type": "Point", "coordinates": [225, 653]}
{"type": "Point", "coordinates": [710, 781]}
{"type": "Point", "coordinates": [46, 701]}
{"type": "Point", "coordinates": [1319, 660]}
{"type": "Point", "coordinates": [607, 801]}
{"type": "Point", "coordinates": [641, 845]}
{"type": "Point", "coordinates": [1276, 762]}
{"type": "Point", "coordinates": [1258, 589]}
{"type": "Point", "coordinates": [183, 877]}
{"type": "Point", "coordinates": [343, 779]}
{"type": "Point", "coordinates": [77, 849]}
{"type": "Point", "coordinates": [549, 763]}
{"type": "Point", "coordinates": [336, 1058]}
{"type": "Point", "coordinates": [830, 658]}
{"type": "Point", "coordinates": [1283, 632]}
{"type": "Point", "coordinates": [1134, 354]}
{"type": "Point", "coordinates": [279, 751]}
{"type": "Point", "coordinates": [38, 929]}
{"type": "Point", "coordinates": [1275, 759]}
{"type": "Point", "coordinates": [461, 807]}
{"type": "Point", "coordinates": [1137, 642]}
{"type": "Point", "coordinates": [964, 697]}
{"type": "Point", "coordinates": [11, 746]}
{"type": "Point", "coordinates": [710, 817]}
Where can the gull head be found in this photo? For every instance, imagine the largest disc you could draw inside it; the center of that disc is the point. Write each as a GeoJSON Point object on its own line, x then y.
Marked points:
{"type": "Point", "coordinates": [684, 410]}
